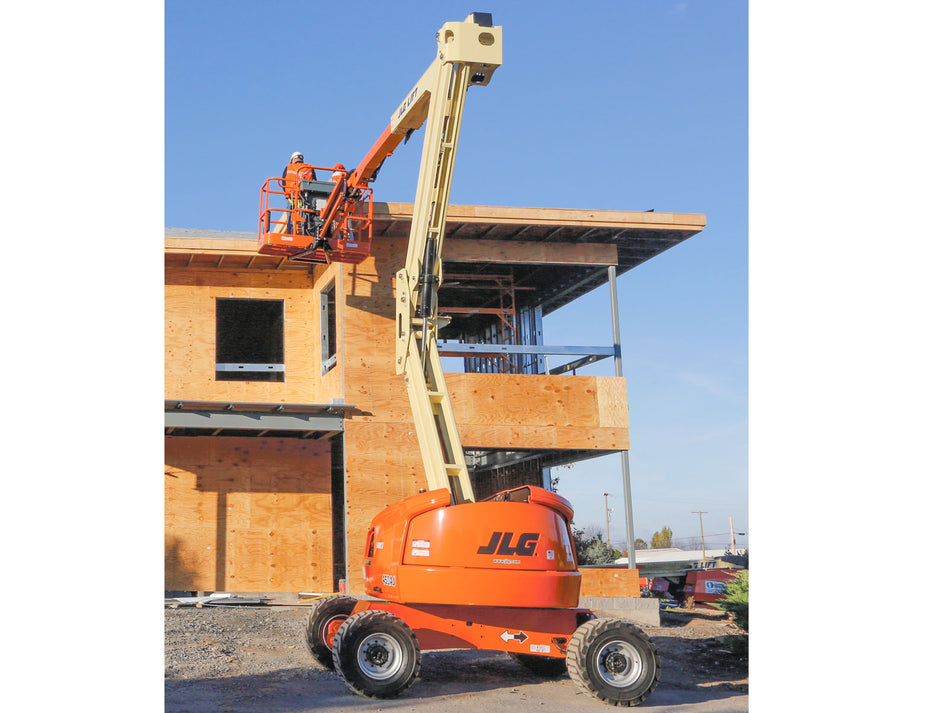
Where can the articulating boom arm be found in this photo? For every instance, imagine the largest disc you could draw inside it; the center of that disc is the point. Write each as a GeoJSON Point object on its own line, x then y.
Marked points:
{"type": "Point", "coordinates": [468, 54]}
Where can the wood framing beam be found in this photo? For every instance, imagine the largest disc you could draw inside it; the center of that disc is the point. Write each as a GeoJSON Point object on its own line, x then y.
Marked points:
{"type": "Point", "coordinates": [554, 216]}
{"type": "Point", "coordinates": [191, 242]}
{"type": "Point", "coordinates": [529, 253]}
{"type": "Point", "coordinates": [211, 246]}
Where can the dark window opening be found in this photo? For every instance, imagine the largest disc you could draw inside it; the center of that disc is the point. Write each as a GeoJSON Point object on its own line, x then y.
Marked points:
{"type": "Point", "coordinates": [328, 328]}
{"type": "Point", "coordinates": [249, 340]}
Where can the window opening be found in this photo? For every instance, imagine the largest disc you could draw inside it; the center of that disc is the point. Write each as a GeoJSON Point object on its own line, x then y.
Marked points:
{"type": "Point", "coordinates": [249, 340]}
{"type": "Point", "coordinates": [328, 327]}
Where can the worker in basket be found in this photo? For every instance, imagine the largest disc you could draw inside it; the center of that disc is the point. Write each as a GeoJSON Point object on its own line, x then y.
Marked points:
{"type": "Point", "coordinates": [295, 172]}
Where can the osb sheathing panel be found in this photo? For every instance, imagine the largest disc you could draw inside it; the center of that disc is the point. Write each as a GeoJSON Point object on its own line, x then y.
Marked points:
{"type": "Point", "coordinates": [329, 384]}
{"type": "Point", "coordinates": [383, 464]}
{"type": "Point", "coordinates": [190, 296]}
{"type": "Point", "coordinates": [246, 514]}
{"type": "Point", "coordinates": [540, 411]}
{"type": "Point", "coordinates": [610, 582]}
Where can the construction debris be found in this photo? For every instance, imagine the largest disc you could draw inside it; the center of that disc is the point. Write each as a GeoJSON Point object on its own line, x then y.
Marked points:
{"type": "Point", "coordinates": [215, 600]}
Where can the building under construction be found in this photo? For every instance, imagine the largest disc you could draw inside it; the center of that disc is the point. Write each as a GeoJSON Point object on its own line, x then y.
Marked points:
{"type": "Point", "coordinates": [286, 426]}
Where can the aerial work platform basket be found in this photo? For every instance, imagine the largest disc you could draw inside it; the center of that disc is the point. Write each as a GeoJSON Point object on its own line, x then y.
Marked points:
{"type": "Point", "coordinates": [322, 221]}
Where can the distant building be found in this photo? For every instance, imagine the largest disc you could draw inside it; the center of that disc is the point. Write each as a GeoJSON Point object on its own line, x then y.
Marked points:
{"type": "Point", "coordinates": [673, 563]}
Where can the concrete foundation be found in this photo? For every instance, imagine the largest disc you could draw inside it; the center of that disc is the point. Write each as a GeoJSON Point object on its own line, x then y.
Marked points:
{"type": "Point", "coordinates": [645, 612]}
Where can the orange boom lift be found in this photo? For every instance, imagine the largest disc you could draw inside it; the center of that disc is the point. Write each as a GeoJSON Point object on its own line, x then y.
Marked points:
{"type": "Point", "coordinates": [441, 570]}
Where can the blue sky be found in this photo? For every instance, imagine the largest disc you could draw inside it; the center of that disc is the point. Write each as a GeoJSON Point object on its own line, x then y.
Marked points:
{"type": "Point", "coordinates": [625, 105]}
{"type": "Point", "coordinates": [613, 106]}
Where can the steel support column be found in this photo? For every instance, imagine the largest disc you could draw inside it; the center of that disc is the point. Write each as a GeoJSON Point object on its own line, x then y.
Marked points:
{"type": "Point", "coordinates": [624, 455]}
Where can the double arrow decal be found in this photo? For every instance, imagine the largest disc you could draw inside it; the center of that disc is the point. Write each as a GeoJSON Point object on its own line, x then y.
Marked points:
{"type": "Point", "coordinates": [521, 637]}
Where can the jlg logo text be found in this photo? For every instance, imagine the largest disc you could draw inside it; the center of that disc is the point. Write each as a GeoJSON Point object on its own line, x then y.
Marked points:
{"type": "Point", "coordinates": [500, 544]}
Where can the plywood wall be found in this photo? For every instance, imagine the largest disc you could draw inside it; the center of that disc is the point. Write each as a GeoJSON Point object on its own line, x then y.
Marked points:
{"type": "Point", "coordinates": [610, 582]}
{"type": "Point", "coordinates": [540, 411]}
{"type": "Point", "coordinates": [247, 514]}
{"type": "Point", "coordinates": [329, 385]}
{"type": "Point", "coordinates": [190, 334]}
{"type": "Point", "coordinates": [383, 464]}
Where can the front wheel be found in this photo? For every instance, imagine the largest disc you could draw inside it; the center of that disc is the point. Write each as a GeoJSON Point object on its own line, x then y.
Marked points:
{"type": "Point", "coordinates": [326, 617]}
{"type": "Point", "coordinates": [377, 654]}
{"type": "Point", "coordinates": [613, 660]}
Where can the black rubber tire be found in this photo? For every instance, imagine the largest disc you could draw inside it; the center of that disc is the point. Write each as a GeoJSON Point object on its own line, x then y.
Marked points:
{"type": "Point", "coordinates": [546, 666]}
{"type": "Point", "coordinates": [327, 611]}
{"type": "Point", "coordinates": [377, 654]}
{"type": "Point", "coordinates": [613, 660]}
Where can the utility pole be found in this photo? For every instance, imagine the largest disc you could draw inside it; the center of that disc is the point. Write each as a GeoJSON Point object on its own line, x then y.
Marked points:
{"type": "Point", "coordinates": [607, 513]}
{"type": "Point", "coordinates": [732, 536]}
{"type": "Point", "coordinates": [701, 534]}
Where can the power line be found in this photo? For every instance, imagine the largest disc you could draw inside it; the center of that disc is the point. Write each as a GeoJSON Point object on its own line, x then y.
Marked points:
{"type": "Point", "coordinates": [716, 503]}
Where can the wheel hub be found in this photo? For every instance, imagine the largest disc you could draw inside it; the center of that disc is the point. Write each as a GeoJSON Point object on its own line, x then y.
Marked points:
{"type": "Point", "coordinates": [380, 656]}
{"type": "Point", "coordinates": [377, 655]}
{"type": "Point", "coordinates": [615, 662]}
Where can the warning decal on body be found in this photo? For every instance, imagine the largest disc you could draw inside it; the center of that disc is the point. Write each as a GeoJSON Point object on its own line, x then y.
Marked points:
{"type": "Point", "coordinates": [420, 548]}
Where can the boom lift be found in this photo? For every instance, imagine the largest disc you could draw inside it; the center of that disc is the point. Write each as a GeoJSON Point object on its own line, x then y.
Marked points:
{"type": "Point", "coordinates": [441, 570]}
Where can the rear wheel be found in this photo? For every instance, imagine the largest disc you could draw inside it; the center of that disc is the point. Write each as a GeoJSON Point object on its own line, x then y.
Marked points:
{"type": "Point", "coordinates": [377, 654]}
{"type": "Point", "coordinates": [325, 619]}
{"type": "Point", "coordinates": [613, 660]}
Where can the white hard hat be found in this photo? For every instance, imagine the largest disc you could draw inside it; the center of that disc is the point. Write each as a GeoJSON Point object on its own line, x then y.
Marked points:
{"type": "Point", "coordinates": [296, 154]}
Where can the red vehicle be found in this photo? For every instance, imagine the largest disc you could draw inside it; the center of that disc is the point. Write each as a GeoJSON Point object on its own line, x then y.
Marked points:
{"type": "Point", "coordinates": [708, 585]}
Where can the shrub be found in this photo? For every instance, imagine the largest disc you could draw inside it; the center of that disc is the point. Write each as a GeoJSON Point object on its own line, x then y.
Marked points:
{"type": "Point", "coordinates": [736, 601]}
{"type": "Point", "coordinates": [592, 550]}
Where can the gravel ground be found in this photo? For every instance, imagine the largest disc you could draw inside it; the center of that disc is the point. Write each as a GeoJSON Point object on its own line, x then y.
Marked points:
{"type": "Point", "coordinates": [255, 659]}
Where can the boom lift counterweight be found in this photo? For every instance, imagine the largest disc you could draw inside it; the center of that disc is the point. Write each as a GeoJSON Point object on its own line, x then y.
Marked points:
{"type": "Point", "coordinates": [442, 570]}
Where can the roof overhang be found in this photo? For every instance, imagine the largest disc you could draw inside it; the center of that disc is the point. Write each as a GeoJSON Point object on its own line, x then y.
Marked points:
{"type": "Point", "coordinates": [553, 255]}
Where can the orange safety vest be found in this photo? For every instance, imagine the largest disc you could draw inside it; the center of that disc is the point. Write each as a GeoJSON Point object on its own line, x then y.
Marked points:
{"type": "Point", "coordinates": [338, 172]}
{"type": "Point", "coordinates": [293, 174]}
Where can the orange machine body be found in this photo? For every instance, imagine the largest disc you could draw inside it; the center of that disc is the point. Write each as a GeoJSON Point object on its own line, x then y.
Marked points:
{"type": "Point", "coordinates": [513, 550]}
{"type": "Point", "coordinates": [520, 630]}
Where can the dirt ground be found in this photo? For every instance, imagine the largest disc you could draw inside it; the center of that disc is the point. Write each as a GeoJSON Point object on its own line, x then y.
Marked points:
{"type": "Point", "coordinates": [255, 659]}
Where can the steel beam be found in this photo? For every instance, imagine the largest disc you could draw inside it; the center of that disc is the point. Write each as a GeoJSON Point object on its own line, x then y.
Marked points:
{"type": "Point", "coordinates": [253, 420]}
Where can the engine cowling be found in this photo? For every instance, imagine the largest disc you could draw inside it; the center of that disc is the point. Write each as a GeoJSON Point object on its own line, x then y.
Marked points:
{"type": "Point", "coordinates": [513, 550]}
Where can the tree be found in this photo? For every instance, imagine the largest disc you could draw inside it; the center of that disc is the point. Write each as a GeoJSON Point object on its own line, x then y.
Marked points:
{"type": "Point", "coordinates": [591, 549]}
{"type": "Point", "coordinates": [662, 539]}
{"type": "Point", "coordinates": [639, 544]}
